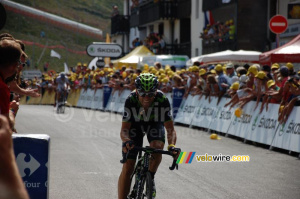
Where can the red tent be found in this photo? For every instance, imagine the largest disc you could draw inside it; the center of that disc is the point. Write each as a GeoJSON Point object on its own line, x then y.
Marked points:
{"type": "Point", "coordinates": [289, 52]}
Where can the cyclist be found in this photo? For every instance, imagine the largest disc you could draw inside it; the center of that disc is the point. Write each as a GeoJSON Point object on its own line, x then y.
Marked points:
{"type": "Point", "coordinates": [62, 86]}
{"type": "Point", "coordinates": [147, 110]}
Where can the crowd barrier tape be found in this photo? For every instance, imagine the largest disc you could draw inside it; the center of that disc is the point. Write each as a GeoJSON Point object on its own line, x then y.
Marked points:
{"type": "Point", "coordinates": [32, 157]}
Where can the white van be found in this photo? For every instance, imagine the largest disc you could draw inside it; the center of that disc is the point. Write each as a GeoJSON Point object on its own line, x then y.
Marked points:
{"type": "Point", "coordinates": [179, 61]}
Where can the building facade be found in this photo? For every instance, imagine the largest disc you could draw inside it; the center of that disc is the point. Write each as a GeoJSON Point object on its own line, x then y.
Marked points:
{"type": "Point", "coordinates": [234, 25]}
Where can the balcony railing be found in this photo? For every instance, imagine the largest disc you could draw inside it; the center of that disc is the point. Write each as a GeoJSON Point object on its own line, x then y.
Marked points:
{"type": "Point", "coordinates": [119, 24]}
{"type": "Point", "coordinates": [134, 17]}
{"type": "Point", "coordinates": [178, 49]}
{"type": "Point", "coordinates": [150, 11]}
{"type": "Point", "coordinates": [211, 46]}
{"type": "Point", "coordinates": [184, 8]}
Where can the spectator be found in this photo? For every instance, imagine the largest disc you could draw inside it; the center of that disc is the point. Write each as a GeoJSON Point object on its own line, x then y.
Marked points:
{"type": "Point", "coordinates": [115, 11]}
{"type": "Point", "coordinates": [272, 87]}
{"type": "Point", "coordinates": [230, 73]}
{"type": "Point", "coordinates": [242, 91]}
{"type": "Point", "coordinates": [46, 65]}
{"type": "Point", "coordinates": [11, 184]}
{"type": "Point", "coordinates": [212, 88]}
{"type": "Point", "coordinates": [222, 82]}
{"type": "Point", "coordinates": [10, 53]}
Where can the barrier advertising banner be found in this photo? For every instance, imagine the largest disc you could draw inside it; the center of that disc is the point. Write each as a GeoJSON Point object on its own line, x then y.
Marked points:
{"type": "Point", "coordinates": [222, 118]}
{"type": "Point", "coordinates": [204, 113]}
{"type": "Point", "coordinates": [119, 107]}
{"type": "Point", "coordinates": [88, 98]}
{"type": "Point", "coordinates": [82, 98]}
{"type": "Point", "coordinates": [177, 98]}
{"type": "Point", "coordinates": [106, 95]}
{"type": "Point", "coordinates": [263, 125]}
{"type": "Point", "coordinates": [239, 125]}
{"type": "Point", "coordinates": [187, 110]}
{"type": "Point", "coordinates": [112, 102]}
{"type": "Point", "coordinates": [97, 99]}
{"type": "Point", "coordinates": [169, 96]}
{"type": "Point", "coordinates": [32, 157]}
{"type": "Point", "coordinates": [288, 135]}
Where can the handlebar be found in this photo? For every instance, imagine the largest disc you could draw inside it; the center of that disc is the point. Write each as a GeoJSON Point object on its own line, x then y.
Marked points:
{"type": "Point", "coordinates": [150, 150]}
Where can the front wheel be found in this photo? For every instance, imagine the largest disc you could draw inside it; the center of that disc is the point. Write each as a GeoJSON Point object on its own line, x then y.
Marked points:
{"type": "Point", "coordinates": [145, 187]}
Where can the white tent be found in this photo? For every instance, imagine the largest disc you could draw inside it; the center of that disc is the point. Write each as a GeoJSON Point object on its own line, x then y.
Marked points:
{"type": "Point", "coordinates": [227, 56]}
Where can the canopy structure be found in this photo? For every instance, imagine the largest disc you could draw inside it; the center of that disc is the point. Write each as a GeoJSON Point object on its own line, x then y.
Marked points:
{"type": "Point", "coordinates": [132, 59]}
{"type": "Point", "coordinates": [290, 52]}
{"type": "Point", "coordinates": [227, 56]}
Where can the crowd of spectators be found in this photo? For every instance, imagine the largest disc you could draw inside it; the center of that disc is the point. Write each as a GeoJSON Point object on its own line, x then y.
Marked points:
{"type": "Point", "coordinates": [266, 84]}
{"type": "Point", "coordinates": [153, 41]}
{"type": "Point", "coordinates": [218, 32]}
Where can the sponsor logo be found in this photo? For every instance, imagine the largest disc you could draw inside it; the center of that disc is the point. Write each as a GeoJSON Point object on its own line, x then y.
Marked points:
{"type": "Point", "coordinates": [244, 119]}
{"type": "Point", "coordinates": [225, 115]}
{"type": "Point", "coordinates": [189, 109]}
{"type": "Point", "coordinates": [207, 111]}
{"type": "Point", "coordinates": [32, 165]}
{"type": "Point", "coordinates": [292, 128]}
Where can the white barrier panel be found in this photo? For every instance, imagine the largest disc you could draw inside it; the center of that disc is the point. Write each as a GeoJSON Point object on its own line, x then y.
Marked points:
{"type": "Point", "coordinates": [121, 101]}
{"type": "Point", "coordinates": [89, 99]}
{"type": "Point", "coordinates": [82, 98]}
{"type": "Point", "coordinates": [179, 115]}
{"type": "Point", "coordinates": [112, 101]}
{"type": "Point", "coordinates": [263, 125]}
{"type": "Point", "coordinates": [204, 113]}
{"type": "Point", "coordinates": [187, 110]}
{"type": "Point", "coordinates": [288, 135]}
{"type": "Point", "coordinates": [97, 102]}
{"type": "Point", "coordinates": [239, 125]}
{"type": "Point", "coordinates": [169, 96]}
{"type": "Point", "coordinates": [222, 118]}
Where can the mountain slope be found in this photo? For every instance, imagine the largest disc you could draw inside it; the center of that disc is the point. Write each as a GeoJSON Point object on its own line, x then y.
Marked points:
{"type": "Point", "coordinates": [90, 12]}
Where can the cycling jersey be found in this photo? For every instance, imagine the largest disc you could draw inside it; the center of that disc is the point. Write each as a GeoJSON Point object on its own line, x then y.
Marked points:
{"type": "Point", "coordinates": [61, 83]}
{"type": "Point", "coordinates": [159, 111]}
{"type": "Point", "coordinates": [150, 122]}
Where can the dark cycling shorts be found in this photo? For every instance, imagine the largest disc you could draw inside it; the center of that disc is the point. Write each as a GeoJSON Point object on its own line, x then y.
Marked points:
{"type": "Point", "coordinates": [154, 132]}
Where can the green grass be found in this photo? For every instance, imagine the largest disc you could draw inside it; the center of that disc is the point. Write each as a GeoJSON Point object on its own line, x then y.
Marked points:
{"type": "Point", "coordinates": [91, 12]}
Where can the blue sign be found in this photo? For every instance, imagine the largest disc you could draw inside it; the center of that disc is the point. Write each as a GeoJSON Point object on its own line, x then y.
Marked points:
{"type": "Point", "coordinates": [32, 157]}
{"type": "Point", "coordinates": [106, 94]}
{"type": "Point", "coordinates": [177, 99]}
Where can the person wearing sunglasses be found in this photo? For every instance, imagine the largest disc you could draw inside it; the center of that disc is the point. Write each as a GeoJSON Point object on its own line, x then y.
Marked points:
{"type": "Point", "coordinates": [147, 111]}
{"type": "Point", "coordinates": [13, 81]}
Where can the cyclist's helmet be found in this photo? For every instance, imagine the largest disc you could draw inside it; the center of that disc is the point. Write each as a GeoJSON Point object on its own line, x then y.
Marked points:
{"type": "Point", "coordinates": [146, 82]}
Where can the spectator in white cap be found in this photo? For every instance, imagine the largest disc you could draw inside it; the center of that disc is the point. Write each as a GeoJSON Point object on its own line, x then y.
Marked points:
{"type": "Point", "coordinates": [230, 73]}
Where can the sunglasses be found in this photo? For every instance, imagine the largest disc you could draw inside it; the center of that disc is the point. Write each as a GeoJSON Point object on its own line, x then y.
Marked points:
{"type": "Point", "coordinates": [144, 94]}
{"type": "Point", "coordinates": [22, 63]}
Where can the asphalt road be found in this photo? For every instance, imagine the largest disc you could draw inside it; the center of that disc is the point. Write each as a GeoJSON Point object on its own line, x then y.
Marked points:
{"type": "Point", "coordinates": [85, 153]}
